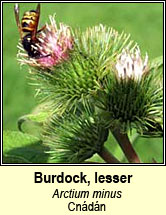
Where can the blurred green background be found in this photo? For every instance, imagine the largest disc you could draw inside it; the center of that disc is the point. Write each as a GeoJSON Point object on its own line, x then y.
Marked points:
{"type": "Point", "coordinates": [144, 21]}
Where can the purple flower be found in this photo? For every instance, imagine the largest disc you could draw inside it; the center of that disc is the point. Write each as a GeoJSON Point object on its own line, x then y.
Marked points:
{"type": "Point", "coordinates": [54, 45]}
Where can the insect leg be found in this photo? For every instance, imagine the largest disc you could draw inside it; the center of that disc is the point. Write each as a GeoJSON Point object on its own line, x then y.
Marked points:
{"type": "Point", "coordinates": [41, 29]}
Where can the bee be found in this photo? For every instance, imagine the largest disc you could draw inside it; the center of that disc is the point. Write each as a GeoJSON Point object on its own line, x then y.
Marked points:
{"type": "Point", "coordinates": [28, 31]}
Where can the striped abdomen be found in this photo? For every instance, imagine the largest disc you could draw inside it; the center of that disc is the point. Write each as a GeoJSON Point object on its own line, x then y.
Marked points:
{"type": "Point", "coordinates": [29, 21]}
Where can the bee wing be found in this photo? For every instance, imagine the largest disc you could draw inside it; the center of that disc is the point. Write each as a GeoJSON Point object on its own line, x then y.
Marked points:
{"type": "Point", "coordinates": [16, 11]}
{"type": "Point", "coordinates": [38, 8]}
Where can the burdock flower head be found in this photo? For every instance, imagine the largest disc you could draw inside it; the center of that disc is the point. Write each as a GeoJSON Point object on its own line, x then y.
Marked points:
{"type": "Point", "coordinates": [53, 43]}
{"type": "Point", "coordinates": [131, 96]}
{"type": "Point", "coordinates": [130, 64]}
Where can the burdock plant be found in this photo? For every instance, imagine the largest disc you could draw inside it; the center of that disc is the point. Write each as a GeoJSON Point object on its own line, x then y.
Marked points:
{"type": "Point", "coordinates": [93, 83]}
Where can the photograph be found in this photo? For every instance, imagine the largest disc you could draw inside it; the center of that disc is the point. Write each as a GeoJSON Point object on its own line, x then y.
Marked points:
{"type": "Point", "coordinates": [83, 83]}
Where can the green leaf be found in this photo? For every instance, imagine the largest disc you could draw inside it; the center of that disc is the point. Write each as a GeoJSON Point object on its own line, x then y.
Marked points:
{"type": "Point", "coordinates": [32, 123]}
{"type": "Point", "coordinates": [23, 148]}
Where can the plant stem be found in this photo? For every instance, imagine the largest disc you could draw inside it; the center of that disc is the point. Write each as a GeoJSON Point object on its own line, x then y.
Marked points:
{"type": "Point", "coordinates": [126, 146]}
{"type": "Point", "coordinates": [107, 156]}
